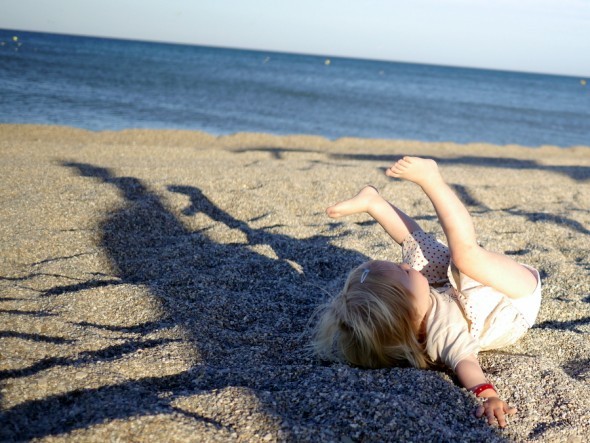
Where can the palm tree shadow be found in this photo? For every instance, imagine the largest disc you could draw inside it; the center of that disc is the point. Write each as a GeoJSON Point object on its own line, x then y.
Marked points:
{"type": "Point", "coordinates": [242, 310]}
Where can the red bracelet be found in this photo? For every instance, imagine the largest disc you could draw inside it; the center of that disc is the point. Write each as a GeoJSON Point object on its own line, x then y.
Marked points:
{"type": "Point", "coordinates": [479, 389]}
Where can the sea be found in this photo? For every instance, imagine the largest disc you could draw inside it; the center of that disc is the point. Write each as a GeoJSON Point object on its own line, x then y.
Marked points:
{"type": "Point", "coordinates": [108, 84]}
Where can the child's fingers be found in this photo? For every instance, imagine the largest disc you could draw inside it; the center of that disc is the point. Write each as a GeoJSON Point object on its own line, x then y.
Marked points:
{"type": "Point", "coordinates": [511, 411]}
{"type": "Point", "coordinates": [495, 413]}
{"type": "Point", "coordinates": [480, 411]}
{"type": "Point", "coordinates": [500, 417]}
{"type": "Point", "coordinates": [502, 414]}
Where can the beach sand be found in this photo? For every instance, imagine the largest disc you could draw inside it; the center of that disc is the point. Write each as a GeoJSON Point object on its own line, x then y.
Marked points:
{"type": "Point", "coordinates": [158, 286]}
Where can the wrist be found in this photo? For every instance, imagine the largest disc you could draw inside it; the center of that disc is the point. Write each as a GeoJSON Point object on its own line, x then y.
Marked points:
{"type": "Point", "coordinates": [484, 390]}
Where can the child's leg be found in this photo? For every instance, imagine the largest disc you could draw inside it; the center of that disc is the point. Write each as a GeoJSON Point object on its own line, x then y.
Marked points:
{"type": "Point", "coordinates": [397, 224]}
{"type": "Point", "coordinates": [489, 268]}
{"type": "Point", "coordinates": [419, 250]}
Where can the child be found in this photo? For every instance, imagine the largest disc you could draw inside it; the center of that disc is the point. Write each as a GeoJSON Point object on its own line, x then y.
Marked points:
{"type": "Point", "coordinates": [439, 305]}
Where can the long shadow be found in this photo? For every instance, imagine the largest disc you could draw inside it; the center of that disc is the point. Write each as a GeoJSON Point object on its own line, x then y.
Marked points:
{"type": "Point", "coordinates": [36, 274]}
{"type": "Point", "coordinates": [566, 325]}
{"type": "Point", "coordinates": [245, 310]}
{"type": "Point", "coordinates": [34, 337]}
{"type": "Point", "coordinates": [81, 408]}
{"type": "Point", "coordinates": [243, 305]}
{"type": "Point", "coordinates": [578, 369]}
{"type": "Point", "coordinates": [576, 172]}
{"type": "Point", "coordinates": [90, 284]}
{"type": "Point", "coordinates": [468, 199]}
{"type": "Point", "coordinates": [556, 219]}
{"type": "Point", "coordinates": [27, 313]}
{"type": "Point", "coordinates": [143, 328]}
{"type": "Point", "coordinates": [105, 354]}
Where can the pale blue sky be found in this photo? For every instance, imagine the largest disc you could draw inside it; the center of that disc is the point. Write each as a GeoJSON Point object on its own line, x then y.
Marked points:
{"type": "Point", "coordinates": [546, 36]}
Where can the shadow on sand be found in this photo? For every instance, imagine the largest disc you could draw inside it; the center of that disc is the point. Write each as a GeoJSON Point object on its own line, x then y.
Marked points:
{"type": "Point", "coordinates": [244, 312]}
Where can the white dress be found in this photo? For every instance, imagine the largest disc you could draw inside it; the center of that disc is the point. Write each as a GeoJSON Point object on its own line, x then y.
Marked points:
{"type": "Point", "coordinates": [466, 316]}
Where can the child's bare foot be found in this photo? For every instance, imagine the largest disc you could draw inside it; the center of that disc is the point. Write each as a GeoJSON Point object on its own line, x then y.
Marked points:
{"type": "Point", "coordinates": [354, 205]}
{"type": "Point", "coordinates": [415, 169]}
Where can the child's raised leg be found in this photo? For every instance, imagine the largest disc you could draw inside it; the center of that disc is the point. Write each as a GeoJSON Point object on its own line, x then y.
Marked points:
{"type": "Point", "coordinates": [395, 222]}
{"type": "Point", "coordinates": [489, 268]}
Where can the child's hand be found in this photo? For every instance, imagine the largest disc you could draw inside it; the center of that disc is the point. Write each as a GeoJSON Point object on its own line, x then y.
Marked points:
{"type": "Point", "coordinates": [495, 409]}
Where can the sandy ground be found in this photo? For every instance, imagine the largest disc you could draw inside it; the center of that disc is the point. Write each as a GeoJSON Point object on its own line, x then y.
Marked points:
{"type": "Point", "coordinates": [158, 286]}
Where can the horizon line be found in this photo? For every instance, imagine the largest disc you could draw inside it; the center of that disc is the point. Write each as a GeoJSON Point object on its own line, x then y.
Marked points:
{"type": "Point", "coordinates": [317, 54]}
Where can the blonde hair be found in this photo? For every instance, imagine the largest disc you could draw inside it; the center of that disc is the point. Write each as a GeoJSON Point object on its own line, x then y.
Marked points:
{"type": "Point", "coordinates": [369, 324]}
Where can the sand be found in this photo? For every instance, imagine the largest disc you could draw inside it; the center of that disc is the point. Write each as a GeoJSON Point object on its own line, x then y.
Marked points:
{"type": "Point", "coordinates": [158, 286]}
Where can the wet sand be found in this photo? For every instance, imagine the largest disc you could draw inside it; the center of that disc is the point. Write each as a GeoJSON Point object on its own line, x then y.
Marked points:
{"type": "Point", "coordinates": [158, 286]}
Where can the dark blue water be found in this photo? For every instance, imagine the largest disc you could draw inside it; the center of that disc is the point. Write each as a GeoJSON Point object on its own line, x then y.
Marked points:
{"type": "Point", "coordinates": [108, 84]}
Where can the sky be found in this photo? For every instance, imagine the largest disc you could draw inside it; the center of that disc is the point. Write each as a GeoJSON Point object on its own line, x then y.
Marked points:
{"type": "Point", "coordinates": [543, 36]}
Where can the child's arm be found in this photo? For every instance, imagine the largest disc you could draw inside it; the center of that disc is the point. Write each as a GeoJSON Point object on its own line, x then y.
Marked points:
{"type": "Point", "coordinates": [471, 376]}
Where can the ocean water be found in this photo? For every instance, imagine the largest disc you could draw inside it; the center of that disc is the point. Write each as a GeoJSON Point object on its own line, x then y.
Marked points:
{"type": "Point", "coordinates": [106, 84]}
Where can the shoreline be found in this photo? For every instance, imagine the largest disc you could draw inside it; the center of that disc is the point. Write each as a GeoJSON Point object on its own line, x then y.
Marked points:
{"type": "Point", "coordinates": [159, 284]}
{"type": "Point", "coordinates": [185, 136]}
